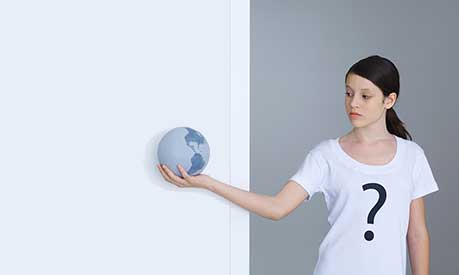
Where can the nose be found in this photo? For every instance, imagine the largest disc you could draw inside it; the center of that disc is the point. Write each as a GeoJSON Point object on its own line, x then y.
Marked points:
{"type": "Point", "coordinates": [355, 102]}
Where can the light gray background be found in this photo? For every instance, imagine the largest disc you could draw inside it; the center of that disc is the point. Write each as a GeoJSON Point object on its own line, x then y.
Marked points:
{"type": "Point", "coordinates": [300, 52]}
{"type": "Point", "coordinates": [87, 90]}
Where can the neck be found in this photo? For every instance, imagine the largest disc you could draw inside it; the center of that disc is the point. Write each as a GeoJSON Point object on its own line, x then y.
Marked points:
{"type": "Point", "coordinates": [368, 135]}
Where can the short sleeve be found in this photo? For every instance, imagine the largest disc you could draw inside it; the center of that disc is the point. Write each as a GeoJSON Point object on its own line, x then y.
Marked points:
{"type": "Point", "coordinates": [423, 180]}
{"type": "Point", "coordinates": [311, 174]}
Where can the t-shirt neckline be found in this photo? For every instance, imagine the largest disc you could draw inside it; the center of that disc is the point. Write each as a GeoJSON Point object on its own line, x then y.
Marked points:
{"type": "Point", "coordinates": [350, 161]}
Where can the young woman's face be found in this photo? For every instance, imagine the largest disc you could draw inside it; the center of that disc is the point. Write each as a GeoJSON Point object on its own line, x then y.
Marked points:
{"type": "Point", "coordinates": [366, 99]}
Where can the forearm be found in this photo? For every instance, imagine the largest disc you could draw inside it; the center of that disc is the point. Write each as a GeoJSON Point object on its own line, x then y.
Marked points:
{"type": "Point", "coordinates": [261, 205]}
{"type": "Point", "coordinates": [419, 255]}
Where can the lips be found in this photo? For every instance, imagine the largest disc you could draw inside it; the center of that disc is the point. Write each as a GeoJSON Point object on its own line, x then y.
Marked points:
{"type": "Point", "coordinates": [354, 114]}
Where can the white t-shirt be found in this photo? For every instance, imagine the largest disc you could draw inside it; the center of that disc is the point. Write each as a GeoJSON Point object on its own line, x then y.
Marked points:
{"type": "Point", "coordinates": [351, 189]}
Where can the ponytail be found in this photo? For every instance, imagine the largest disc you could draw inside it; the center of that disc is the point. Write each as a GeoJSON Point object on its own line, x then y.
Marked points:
{"type": "Point", "coordinates": [395, 126]}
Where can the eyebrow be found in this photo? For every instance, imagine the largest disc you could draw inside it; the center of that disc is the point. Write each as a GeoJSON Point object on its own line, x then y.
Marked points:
{"type": "Point", "coordinates": [364, 89]}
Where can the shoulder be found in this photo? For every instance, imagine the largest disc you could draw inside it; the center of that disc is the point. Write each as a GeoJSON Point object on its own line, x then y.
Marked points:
{"type": "Point", "coordinates": [325, 145]}
{"type": "Point", "coordinates": [412, 147]}
{"type": "Point", "coordinates": [413, 153]}
{"type": "Point", "coordinates": [324, 148]}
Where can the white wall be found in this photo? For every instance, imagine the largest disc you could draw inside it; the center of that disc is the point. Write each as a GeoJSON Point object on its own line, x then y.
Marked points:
{"type": "Point", "coordinates": [87, 89]}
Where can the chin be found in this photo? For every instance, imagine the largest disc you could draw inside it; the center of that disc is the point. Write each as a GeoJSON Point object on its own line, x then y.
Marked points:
{"type": "Point", "coordinates": [357, 124]}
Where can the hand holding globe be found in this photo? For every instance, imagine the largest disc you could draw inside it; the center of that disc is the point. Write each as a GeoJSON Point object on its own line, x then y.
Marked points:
{"type": "Point", "coordinates": [199, 181]}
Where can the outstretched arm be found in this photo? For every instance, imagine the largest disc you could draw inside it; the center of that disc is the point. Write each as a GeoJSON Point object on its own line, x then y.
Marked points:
{"type": "Point", "coordinates": [259, 204]}
{"type": "Point", "coordinates": [274, 208]}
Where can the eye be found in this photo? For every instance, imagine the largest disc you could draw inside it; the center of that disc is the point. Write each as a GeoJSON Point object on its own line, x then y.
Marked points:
{"type": "Point", "coordinates": [366, 97]}
{"type": "Point", "coordinates": [347, 93]}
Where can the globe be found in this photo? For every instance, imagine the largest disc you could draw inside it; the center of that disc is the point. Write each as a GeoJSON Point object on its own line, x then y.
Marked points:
{"type": "Point", "coordinates": [184, 146]}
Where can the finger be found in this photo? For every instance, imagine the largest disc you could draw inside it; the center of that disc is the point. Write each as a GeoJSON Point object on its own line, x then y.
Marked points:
{"type": "Point", "coordinates": [164, 174]}
{"type": "Point", "coordinates": [173, 176]}
{"type": "Point", "coordinates": [183, 172]}
{"type": "Point", "coordinates": [168, 178]}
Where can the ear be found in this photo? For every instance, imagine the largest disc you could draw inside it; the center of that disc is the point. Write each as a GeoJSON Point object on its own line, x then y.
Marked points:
{"type": "Point", "coordinates": [389, 101]}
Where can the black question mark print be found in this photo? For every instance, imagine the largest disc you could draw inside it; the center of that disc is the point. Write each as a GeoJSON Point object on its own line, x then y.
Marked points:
{"type": "Point", "coordinates": [371, 216]}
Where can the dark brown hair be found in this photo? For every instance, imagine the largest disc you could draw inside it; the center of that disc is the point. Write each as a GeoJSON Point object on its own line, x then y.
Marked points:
{"type": "Point", "coordinates": [383, 73]}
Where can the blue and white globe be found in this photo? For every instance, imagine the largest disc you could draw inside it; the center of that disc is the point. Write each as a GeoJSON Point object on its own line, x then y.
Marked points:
{"type": "Point", "coordinates": [186, 146]}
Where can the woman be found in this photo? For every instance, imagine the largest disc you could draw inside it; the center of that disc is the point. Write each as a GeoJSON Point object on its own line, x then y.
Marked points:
{"type": "Point", "coordinates": [373, 180]}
